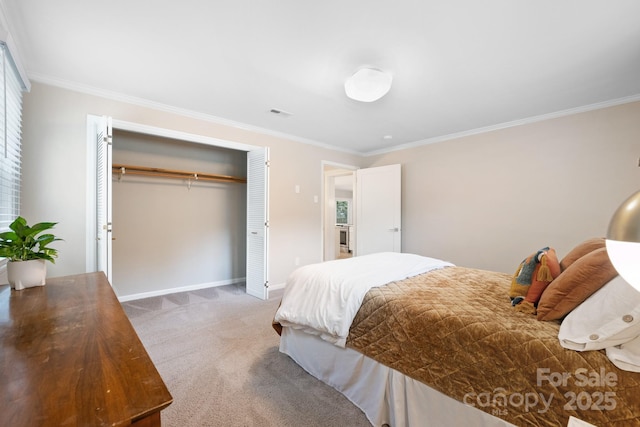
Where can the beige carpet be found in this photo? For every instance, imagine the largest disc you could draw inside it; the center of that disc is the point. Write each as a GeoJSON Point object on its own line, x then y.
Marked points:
{"type": "Point", "coordinates": [218, 355]}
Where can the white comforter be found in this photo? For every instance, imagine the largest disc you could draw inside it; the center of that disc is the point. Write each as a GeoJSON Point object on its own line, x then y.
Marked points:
{"type": "Point", "coordinates": [323, 299]}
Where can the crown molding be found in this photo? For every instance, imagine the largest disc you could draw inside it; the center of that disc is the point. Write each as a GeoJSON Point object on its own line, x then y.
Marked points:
{"type": "Point", "coordinates": [120, 97]}
{"type": "Point", "coordinates": [519, 122]}
{"type": "Point", "coordinates": [116, 96]}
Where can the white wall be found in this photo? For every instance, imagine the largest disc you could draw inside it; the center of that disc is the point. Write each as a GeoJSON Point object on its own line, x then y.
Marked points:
{"type": "Point", "coordinates": [489, 200]}
{"type": "Point", "coordinates": [482, 201]}
{"type": "Point", "coordinates": [55, 171]}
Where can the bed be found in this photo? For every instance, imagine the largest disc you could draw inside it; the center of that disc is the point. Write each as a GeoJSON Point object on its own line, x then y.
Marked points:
{"type": "Point", "coordinates": [444, 345]}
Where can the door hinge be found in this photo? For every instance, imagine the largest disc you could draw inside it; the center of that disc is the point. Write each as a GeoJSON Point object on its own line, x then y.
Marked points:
{"type": "Point", "coordinates": [267, 163]}
{"type": "Point", "coordinates": [266, 224]}
{"type": "Point", "coordinates": [266, 284]}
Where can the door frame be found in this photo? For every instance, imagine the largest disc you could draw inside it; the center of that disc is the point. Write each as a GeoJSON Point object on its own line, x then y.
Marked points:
{"type": "Point", "coordinates": [93, 122]}
{"type": "Point", "coordinates": [340, 169]}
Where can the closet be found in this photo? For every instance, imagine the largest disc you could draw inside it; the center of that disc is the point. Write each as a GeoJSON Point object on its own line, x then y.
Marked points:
{"type": "Point", "coordinates": [179, 214]}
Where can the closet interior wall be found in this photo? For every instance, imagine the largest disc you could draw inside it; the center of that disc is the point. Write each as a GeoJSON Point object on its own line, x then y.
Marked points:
{"type": "Point", "coordinates": [176, 233]}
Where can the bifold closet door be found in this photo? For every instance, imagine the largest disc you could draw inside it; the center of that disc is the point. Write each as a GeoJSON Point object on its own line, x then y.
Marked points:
{"type": "Point", "coordinates": [104, 196]}
{"type": "Point", "coordinates": [258, 223]}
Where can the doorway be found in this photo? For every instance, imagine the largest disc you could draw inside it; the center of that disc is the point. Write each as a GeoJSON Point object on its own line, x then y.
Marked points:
{"type": "Point", "coordinates": [372, 198]}
{"type": "Point", "coordinates": [99, 182]}
{"type": "Point", "coordinates": [169, 225]}
{"type": "Point", "coordinates": [339, 211]}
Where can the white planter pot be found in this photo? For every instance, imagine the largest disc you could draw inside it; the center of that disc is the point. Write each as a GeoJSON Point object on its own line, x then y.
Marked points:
{"type": "Point", "coordinates": [26, 274]}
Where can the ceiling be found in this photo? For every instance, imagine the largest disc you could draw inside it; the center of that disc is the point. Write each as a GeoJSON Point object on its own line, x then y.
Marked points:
{"type": "Point", "coordinates": [458, 66]}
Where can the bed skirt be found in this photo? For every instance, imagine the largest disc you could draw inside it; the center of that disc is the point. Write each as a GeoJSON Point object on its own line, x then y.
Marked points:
{"type": "Point", "coordinates": [386, 396]}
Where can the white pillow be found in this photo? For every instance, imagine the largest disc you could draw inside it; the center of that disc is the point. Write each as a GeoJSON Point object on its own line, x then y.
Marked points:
{"type": "Point", "coordinates": [626, 356]}
{"type": "Point", "coordinates": [609, 317]}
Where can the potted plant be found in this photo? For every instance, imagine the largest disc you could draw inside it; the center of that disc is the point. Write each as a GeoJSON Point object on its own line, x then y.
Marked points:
{"type": "Point", "coordinates": [26, 250]}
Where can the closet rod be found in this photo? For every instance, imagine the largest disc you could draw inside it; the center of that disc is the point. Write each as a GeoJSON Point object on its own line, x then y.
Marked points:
{"type": "Point", "coordinates": [170, 173]}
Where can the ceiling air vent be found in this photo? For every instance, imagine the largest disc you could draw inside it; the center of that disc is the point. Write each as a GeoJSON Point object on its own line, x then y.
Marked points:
{"type": "Point", "coordinates": [279, 112]}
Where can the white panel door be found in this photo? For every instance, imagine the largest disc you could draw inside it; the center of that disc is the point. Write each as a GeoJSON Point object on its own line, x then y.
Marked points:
{"type": "Point", "coordinates": [103, 196]}
{"type": "Point", "coordinates": [378, 210]}
{"type": "Point", "coordinates": [258, 223]}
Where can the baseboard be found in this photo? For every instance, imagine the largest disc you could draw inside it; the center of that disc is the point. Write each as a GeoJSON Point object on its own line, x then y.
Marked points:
{"type": "Point", "coordinates": [277, 286]}
{"type": "Point", "coordinates": [160, 292]}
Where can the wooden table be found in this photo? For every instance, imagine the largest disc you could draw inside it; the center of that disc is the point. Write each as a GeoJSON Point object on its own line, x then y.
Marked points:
{"type": "Point", "coordinates": [70, 357]}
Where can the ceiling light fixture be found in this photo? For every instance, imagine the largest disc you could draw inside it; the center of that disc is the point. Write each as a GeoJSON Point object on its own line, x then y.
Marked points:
{"type": "Point", "coordinates": [623, 240]}
{"type": "Point", "coordinates": [368, 85]}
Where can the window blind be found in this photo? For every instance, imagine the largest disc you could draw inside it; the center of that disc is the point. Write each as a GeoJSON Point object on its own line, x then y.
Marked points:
{"type": "Point", "coordinates": [10, 139]}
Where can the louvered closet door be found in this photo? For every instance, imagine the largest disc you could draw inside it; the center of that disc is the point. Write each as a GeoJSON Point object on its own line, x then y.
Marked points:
{"type": "Point", "coordinates": [103, 196]}
{"type": "Point", "coordinates": [258, 223]}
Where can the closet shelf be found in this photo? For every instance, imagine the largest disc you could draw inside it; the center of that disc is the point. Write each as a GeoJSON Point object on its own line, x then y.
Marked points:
{"type": "Point", "coordinates": [176, 174]}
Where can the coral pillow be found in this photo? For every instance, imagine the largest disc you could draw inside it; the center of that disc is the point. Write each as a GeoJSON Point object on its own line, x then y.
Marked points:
{"type": "Point", "coordinates": [532, 277]}
{"type": "Point", "coordinates": [575, 284]}
{"type": "Point", "coordinates": [581, 250]}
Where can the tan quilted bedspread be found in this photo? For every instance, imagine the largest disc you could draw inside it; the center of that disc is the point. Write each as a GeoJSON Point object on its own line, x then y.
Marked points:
{"type": "Point", "coordinates": [455, 330]}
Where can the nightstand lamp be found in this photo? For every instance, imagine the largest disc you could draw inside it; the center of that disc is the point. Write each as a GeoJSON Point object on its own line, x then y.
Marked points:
{"type": "Point", "coordinates": [623, 240]}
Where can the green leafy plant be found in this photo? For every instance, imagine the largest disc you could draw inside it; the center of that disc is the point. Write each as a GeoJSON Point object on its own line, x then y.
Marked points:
{"type": "Point", "coordinates": [24, 243]}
